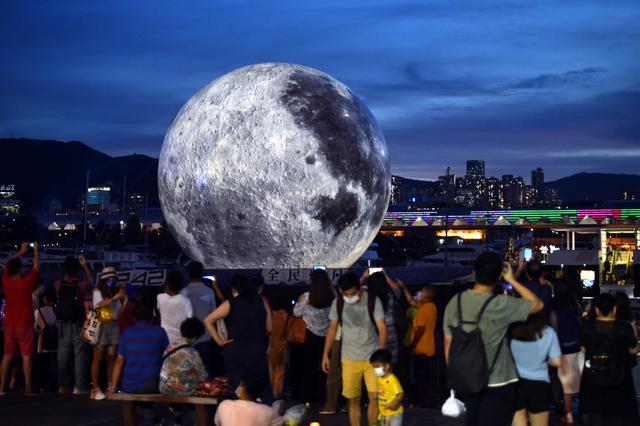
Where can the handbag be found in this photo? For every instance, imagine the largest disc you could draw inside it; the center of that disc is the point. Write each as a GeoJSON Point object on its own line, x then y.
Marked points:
{"type": "Point", "coordinates": [91, 329]}
{"type": "Point", "coordinates": [296, 330]}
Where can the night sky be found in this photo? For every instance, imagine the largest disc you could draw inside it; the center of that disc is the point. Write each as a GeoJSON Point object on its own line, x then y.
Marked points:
{"type": "Point", "coordinates": [518, 84]}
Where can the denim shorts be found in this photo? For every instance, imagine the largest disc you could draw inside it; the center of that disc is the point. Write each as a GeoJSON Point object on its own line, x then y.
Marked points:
{"type": "Point", "coordinates": [395, 420]}
{"type": "Point", "coordinates": [109, 334]}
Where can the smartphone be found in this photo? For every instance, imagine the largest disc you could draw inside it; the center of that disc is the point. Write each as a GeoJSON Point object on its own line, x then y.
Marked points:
{"type": "Point", "coordinates": [374, 270]}
{"type": "Point", "coordinates": [31, 245]}
{"type": "Point", "coordinates": [321, 267]}
{"type": "Point", "coordinates": [528, 254]}
{"type": "Point", "coordinates": [209, 277]}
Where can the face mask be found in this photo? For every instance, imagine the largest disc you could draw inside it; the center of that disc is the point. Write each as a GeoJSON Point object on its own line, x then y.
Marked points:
{"type": "Point", "coordinates": [351, 300]}
{"type": "Point", "coordinates": [379, 371]}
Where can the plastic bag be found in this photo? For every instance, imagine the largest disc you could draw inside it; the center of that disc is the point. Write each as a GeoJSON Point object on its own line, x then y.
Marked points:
{"type": "Point", "coordinates": [453, 407]}
{"type": "Point", "coordinates": [294, 415]}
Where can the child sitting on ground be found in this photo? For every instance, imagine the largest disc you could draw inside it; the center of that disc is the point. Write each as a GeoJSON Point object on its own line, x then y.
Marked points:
{"type": "Point", "coordinates": [389, 389]}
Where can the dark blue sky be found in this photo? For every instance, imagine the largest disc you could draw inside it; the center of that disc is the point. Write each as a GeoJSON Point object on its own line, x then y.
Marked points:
{"type": "Point", "coordinates": [518, 84]}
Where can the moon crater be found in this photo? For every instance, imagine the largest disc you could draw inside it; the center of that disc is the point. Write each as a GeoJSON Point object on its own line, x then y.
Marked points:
{"type": "Point", "coordinates": [274, 165]}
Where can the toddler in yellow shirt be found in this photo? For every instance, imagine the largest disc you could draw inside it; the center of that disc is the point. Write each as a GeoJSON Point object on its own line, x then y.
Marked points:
{"type": "Point", "coordinates": [389, 389]}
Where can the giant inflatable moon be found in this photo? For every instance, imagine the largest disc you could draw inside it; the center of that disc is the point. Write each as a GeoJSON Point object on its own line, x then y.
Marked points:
{"type": "Point", "coordinates": [274, 165]}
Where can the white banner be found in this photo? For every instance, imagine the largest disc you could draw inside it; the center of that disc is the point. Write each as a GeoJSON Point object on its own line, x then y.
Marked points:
{"type": "Point", "coordinates": [295, 276]}
{"type": "Point", "coordinates": [142, 277]}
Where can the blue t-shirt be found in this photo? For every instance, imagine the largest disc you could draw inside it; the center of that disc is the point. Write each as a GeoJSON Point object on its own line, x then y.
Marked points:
{"type": "Point", "coordinates": [142, 346]}
{"type": "Point", "coordinates": [531, 357]}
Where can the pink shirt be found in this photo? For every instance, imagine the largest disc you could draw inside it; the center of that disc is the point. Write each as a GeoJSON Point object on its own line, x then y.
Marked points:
{"type": "Point", "coordinates": [246, 413]}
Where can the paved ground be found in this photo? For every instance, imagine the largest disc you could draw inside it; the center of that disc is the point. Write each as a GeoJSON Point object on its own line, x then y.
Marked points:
{"type": "Point", "coordinates": [54, 410]}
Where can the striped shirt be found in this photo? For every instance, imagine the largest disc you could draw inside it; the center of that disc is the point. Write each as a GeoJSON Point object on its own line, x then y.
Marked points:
{"type": "Point", "coordinates": [142, 346]}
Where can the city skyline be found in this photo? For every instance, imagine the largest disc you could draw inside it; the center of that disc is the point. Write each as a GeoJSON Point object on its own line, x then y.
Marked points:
{"type": "Point", "coordinates": [525, 85]}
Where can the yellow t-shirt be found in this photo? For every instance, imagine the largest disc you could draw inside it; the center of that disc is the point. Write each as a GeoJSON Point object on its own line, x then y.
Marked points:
{"type": "Point", "coordinates": [388, 388]}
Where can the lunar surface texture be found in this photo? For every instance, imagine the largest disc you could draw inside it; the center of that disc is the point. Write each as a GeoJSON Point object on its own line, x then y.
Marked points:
{"type": "Point", "coordinates": [274, 165]}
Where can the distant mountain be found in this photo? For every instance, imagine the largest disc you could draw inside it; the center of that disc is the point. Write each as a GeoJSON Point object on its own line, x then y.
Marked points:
{"type": "Point", "coordinates": [47, 170]}
{"type": "Point", "coordinates": [595, 186]}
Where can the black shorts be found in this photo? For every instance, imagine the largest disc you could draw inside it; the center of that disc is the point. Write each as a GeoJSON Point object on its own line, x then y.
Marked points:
{"type": "Point", "coordinates": [533, 396]}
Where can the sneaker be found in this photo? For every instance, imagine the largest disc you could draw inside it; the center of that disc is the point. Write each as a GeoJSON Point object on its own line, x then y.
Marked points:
{"type": "Point", "coordinates": [77, 391]}
{"type": "Point", "coordinates": [97, 395]}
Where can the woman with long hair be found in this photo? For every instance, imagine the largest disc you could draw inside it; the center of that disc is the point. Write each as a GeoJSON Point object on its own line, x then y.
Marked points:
{"type": "Point", "coordinates": [313, 306]}
{"type": "Point", "coordinates": [607, 394]}
{"type": "Point", "coordinates": [107, 302]}
{"type": "Point", "coordinates": [380, 285]}
{"type": "Point", "coordinates": [565, 319]}
{"type": "Point", "coordinates": [248, 319]}
{"type": "Point", "coordinates": [534, 347]}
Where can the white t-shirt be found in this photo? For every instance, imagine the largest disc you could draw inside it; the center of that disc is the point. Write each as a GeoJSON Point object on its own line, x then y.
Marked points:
{"type": "Point", "coordinates": [173, 311]}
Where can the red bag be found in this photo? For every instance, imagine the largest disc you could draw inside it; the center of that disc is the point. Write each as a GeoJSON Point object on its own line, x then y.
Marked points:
{"type": "Point", "coordinates": [217, 387]}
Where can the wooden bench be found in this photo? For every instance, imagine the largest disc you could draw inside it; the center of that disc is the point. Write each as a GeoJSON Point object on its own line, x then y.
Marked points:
{"type": "Point", "coordinates": [129, 405]}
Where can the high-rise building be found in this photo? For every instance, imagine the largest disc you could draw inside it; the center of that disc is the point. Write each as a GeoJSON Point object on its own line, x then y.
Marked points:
{"type": "Point", "coordinates": [551, 196]}
{"type": "Point", "coordinates": [8, 202]}
{"type": "Point", "coordinates": [520, 192]}
{"type": "Point", "coordinates": [475, 169]}
{"type": "Point", "coordinates": [537, 183]}
{"type": "Point", "coordinates": [135, 202]}
{"type": "Point", "coordinates": [99, 198]}
{"type": "Point", "coordinates": [448, 185]}
{"type": "Point", "coordinates": [493, 193]}
{"type": "Point", "coordinates": [507, 192]}
{"type": "Point", "coordinates": [398, 190]}
{"type": "Point", "coordinates": [7, 191]}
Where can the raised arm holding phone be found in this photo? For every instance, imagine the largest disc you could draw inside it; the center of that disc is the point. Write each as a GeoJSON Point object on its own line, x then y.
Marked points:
{"type": "Point", "coordinates": [491, 314]}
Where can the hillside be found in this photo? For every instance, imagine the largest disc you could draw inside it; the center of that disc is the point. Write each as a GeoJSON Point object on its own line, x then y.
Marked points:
{"type": "Point", "coordinates": [48, 170]}
{"type": "Point", "coordinates": [595, 186]}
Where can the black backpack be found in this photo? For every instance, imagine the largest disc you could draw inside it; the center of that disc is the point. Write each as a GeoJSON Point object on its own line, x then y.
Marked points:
{"type": "Point", "coordinates": [49, 335]}
{"type": "Point", "coordinates": [603, 362]}
{"type": "Point", "coordinates": [68, 306]}
{"type": "Point", "coordinates": [468, 371]}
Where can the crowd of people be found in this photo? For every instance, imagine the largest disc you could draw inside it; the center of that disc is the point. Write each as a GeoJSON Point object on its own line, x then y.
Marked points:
{"type": "Point", "coordinates": [511, 343]}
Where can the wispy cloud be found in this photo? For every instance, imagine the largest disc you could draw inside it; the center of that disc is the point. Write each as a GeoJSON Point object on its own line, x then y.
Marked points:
{"type": "Point", "coordinates": [518, 84]}
{"type": "Point", "coordinates": [544, 81]}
